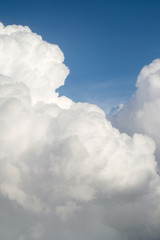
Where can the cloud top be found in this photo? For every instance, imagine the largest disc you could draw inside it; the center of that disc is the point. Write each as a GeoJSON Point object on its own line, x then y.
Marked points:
{"type": "Point", "coordinates": [26, 58]}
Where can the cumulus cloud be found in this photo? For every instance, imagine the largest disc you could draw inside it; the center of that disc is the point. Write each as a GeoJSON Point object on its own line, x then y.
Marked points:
{"type": "Point", "coordinates": [66, 172]}
{"type": "Point", "coordinates": [142, 111]}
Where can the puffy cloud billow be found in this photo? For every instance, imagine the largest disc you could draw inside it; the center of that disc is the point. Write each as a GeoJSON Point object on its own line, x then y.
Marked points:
{"type": "Point", "coordinates": [143, 110]}
{"type": "Point", "coordinates": [65, 171]}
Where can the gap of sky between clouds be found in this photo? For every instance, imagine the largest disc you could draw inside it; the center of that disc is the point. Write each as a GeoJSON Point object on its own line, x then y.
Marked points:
{"type": "Point", "coordinates": [105, 43]}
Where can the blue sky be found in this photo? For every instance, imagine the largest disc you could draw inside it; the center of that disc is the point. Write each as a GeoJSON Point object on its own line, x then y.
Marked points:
{"type": "Point", "coordinates": [105, 43]}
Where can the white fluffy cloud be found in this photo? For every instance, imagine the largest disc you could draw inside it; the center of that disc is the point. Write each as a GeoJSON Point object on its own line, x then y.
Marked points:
{"type": "Point", "coordinates": [65, 172]}
{"type": "Point", "coordinates": [143, 110]}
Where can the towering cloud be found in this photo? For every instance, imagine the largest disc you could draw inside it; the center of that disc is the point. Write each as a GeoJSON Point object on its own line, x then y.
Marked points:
{"type": "Point", "coordinates": [142, 111]}
{"type": "Point", "coordinates": [65, 172]}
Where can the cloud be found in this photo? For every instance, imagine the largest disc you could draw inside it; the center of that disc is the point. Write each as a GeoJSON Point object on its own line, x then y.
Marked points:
{"type": "Point", "coordinates": [66, 172]}
{"type": "Point", "coordinates": [142, 111]}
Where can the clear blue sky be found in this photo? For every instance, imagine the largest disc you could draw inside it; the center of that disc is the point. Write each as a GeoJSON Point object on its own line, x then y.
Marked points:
{"type": "Point", "coordinates": [105, 43]}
